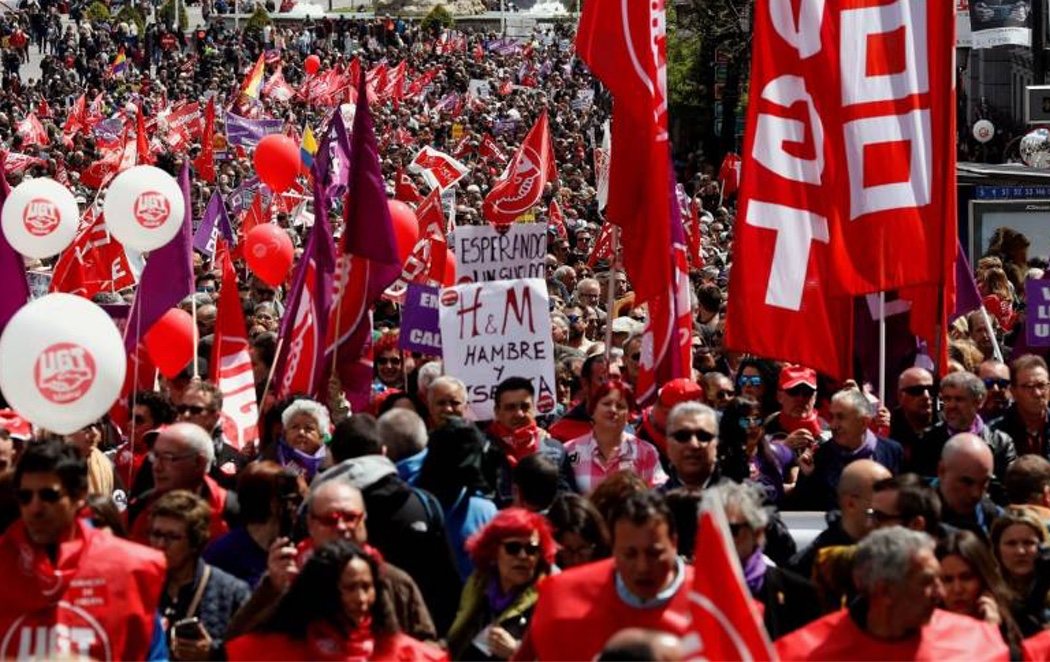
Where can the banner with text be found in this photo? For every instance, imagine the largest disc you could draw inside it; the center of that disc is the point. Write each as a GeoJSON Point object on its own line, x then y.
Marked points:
{"type": "Point", "coordinates": [1000, 23]}
{"type": "Point", "coordinates": [1037, 312]}
{"type": "Point", "coordinates": [495, 330]}
{"type": "Point", "coordinates": [420, 331]}
{"type": "Point", "coordinates": [483, 254]}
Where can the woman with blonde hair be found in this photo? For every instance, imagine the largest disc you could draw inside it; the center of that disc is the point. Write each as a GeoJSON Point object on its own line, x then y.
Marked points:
{"type": "Point", "coordinates": [1018, 540]}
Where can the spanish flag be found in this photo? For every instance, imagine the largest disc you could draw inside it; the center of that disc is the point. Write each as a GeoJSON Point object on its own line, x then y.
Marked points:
{"type": "Point", "coordinates": [252, 86]}
{"type": "Point", "coordinates": [308, 147]}
{"type": "Point", "coordinates": [120, 64]}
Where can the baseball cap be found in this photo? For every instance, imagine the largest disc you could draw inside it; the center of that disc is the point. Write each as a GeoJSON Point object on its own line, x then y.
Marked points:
{"type": "Point", "coordinates": [16, 426]}
{"type": "Point", "coordinates": [626, 325]}
{"type": "Point", "coordinates": [795, 375]}
{"type": "Point", "coordinates": [680, 390]}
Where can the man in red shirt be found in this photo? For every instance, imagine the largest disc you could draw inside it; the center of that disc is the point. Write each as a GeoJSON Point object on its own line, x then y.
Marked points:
{"type": "Point", "coordinates": [896, 617]}
{"type": "Point", "coordinates": [644, 585]}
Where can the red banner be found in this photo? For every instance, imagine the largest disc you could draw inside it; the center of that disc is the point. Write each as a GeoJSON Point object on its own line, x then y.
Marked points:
{"type": "Point", "coordinates": [848, 183]}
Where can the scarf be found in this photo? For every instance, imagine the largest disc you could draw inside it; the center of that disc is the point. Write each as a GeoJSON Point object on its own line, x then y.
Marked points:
{"type": "Point", "coordinates": [755, 571]}
{"type": "Point", "coordinates": [298, 461]}
{"type": "Point", "coordinates": [792, 423]}
{"type": "Point", "coordinates": [498, 600]}
{"type": "Point", "coordinates": [519, 443]}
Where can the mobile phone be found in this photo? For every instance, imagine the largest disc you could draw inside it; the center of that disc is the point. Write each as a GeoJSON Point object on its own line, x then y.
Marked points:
{"type": "Point", "coordinates": [189, 629]}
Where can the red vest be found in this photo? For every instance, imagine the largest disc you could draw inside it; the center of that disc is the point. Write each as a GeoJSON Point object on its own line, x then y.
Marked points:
{"type": "Point", "coordinates": [947, 636]}
{"type": "Point", "coordinates": [98, 601]}
{"type": "Point", "coordinates": [324, 645]}
{"type": "Point", "coordinates": [1037, 647]}
{"type": "Point", "coordinates": [580, 609]}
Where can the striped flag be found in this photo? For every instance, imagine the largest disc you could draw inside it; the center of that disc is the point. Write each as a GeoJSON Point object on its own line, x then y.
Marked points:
{"type": "Point", "coordinates": [231, 364]}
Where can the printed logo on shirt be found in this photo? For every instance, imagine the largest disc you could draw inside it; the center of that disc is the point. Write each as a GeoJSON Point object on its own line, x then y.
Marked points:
{"type": "Point", "coordinates": [62, 632]}
{"type": "Point", "coordinates": [151, 209]}
{"type": "Point", "coordinates": [40, 217]}
{"type": "Point", "coordinates": [64, 372]}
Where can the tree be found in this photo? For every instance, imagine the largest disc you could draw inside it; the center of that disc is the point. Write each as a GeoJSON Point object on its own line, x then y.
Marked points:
{"type": "Point", "coordinates": [130, 14]}
{"type": "Point", "coordinates": [438, 19]}
{"type": "Point", "coordinates": [258, 20]}
{"type": "Point", "coordinates": [167, 11]}
{"type": "Point", "coordinates": [683, 62]}
{"type": "Point", "coordinates": [97, 11]}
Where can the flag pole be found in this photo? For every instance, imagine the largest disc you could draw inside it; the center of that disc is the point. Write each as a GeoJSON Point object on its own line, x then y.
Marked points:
{"type": "Point", "coordinates": [882, 347]}
{"type": "Point", "coordinates": [998, 352]}
{"type": "Point", "coordinates": [611, 293]}
{"type": "Point", "coordinates": [269, 376]}
{"type": "Point", "coordinates": [196, 353]}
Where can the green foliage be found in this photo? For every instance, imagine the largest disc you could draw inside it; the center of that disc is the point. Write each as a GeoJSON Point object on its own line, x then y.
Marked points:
{"type": "Point", "coordinates": [167, 11]}
{"type": "Point", "coordinates": [259, 19]}
{"type": "Point", "coordinates": [97, 11]}
{"type": "Point", "coordinates": [438, 19]}
{"type": "Point", "coordinates": [129, 14]}
{"type": "Point", "coordinates": [683, 62]}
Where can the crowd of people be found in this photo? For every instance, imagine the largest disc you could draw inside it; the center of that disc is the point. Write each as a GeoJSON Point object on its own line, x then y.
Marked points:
{"type": "Point", "coordinates": [412, 530]}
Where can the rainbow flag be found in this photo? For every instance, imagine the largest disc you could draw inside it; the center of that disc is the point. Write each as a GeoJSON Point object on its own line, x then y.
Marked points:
{"type": "Point", "coordinates": [308, 147]}
{"type": "Point", "coordinates": [120, 64]}
{"type": "Point", "coordinates": [252, 86]}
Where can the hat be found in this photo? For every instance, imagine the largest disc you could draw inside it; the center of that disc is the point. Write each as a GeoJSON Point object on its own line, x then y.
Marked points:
{"type": "Point", "coordinates": [795, 375]}
{"type": "Point", "coordinates": [626, 325]}
{"type": "Point", "coordinates": [680, 390]}
{"type": "Point", "coordinates": [16, 426]}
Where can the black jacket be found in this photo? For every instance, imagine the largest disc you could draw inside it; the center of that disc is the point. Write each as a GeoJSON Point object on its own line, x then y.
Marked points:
{"type": "Point", "coordinates": [499, 474]}
{"type": "Point", "coordinates": [790, 602]}
{"type": "Point", "coordinates": [928, 455]}
{"type": "Point", "coordinates": [802, 562]}
{"type": "Point", "coordinates": [1012, 424]}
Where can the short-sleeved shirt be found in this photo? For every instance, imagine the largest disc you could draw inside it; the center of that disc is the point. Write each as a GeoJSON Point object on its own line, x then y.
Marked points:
{"type": "Point", "coordinates": [633, 454]}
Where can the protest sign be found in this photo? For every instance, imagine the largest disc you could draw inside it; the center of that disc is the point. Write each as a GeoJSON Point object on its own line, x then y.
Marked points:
{"type": "Point", "coordinates": [420, 331]}
{"type": "Point", "coordinates": [479, 87]}
{"type": "Point", "coordinates": [495, 330]}
{"type": "Point", "coordinates": [483, 254]}
{"type": "Point", "coordinates": [1037, 312]}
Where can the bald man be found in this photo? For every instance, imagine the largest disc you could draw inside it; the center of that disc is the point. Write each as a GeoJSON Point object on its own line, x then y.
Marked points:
{"type": "Point", "coordinates": [855, 489]}
{"type": "Point", "coordinates": [963, 476]}
{"type": "Point", "coordinates": [642, 644]}
{"type": "Point", "coordinates": [912, 419]}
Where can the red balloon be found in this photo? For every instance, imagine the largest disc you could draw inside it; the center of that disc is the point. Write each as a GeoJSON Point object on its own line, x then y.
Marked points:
{"type": "Point", "coordinates": [312, 64]}
{"type": "Point", "coordinates": [406, 228]}
{"type": "Point", "coordinates": [171, 342]}
{"type": "Point", "coordinates": [449, 277]}
{"type": "Point", "coordinates": [269, 253]}
{"type": "Point", "coordinates": [276, 161]}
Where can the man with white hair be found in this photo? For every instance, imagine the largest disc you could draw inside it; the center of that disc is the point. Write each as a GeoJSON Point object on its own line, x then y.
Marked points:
{"type": "Point", "coordinates": [692, 447]}
{"type": "Point", "coordinates": [446, 397]}
{"type": "Point", "coordinates": [181, 457]}
{"type": "Point", "coordinates": [404, 436]}
{"type": "Point", "coordinates": [897, 615]}
{"type": "Point", "coordinates": [851, 440]}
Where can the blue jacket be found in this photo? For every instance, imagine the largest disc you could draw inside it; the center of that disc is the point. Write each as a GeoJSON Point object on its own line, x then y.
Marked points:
{"type": "Point", "coordinates": [818, 490]}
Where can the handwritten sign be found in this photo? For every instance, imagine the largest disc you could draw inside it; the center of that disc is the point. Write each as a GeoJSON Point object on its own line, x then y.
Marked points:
{"type": "Point", "coordinates": [1037, 313]}
{"type": "Point", "coordinates": [482, 254]}
{"type": "Point", "coordinates": [495, 330]}
{"type": "Point", "coordinates": [420, 331]}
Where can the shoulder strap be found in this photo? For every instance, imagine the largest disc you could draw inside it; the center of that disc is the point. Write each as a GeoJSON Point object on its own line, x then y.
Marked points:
{"type": "Point", "coordinates": [195, 603]}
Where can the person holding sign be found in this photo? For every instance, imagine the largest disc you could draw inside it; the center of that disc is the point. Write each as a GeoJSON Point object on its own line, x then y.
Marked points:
{"type": "Point", "coordinates": [608, 447]}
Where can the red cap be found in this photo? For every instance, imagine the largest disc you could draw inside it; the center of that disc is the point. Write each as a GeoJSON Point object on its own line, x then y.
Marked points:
{"type": "Point", "coordinates": [16, 426]}
{"type": "Point", "coordinates": [680, 390]}
{"type": "Point", "coordinates": [795, 375]}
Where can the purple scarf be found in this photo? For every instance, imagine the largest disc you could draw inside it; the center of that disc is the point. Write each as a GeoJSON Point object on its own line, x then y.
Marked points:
{"type": "Point", "coordinates": [755, 571]}
{"type": "Point", "coordinates": [498, 600]}
{"type": "Point", "coordinates": [298, 461]}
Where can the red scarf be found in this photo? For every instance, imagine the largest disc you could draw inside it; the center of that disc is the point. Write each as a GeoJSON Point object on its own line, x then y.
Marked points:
{"type": "Point", "coordinates": [792, 423]}
{"type": "Point", "coordinates": [51, 579]}
{"type": "Point", "coordinates": [519, 443]}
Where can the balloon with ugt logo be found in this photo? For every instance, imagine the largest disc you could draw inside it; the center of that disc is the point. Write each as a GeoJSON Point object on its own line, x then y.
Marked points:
{"type": "Point", "coordinates": [62, 362]}
{"type": "Point", "coordinates": [144, 208]}
{"type": "Point", "coordinates": [40, 218]}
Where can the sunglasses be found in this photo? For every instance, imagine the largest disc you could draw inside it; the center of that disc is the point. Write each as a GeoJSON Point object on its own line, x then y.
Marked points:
{"type": "Point", "coordinates": [991, 383]}
{"type": "Point", "coordinates": [192, 410]}
{"type": "Point", "coordinates": [46, 494]}
{"type": "Point", "coordinates": [383, 360]}
{"type": "Point", "coordinates": [686, 435]}
{"type": "Point", "coordinates": [919, 389]}
{"type": "Point", "coordinates": [748, 422]}
{"type": "Point", "coordinates": [880, 517]}
{"type": "Point", "coordinates": [573, 318]}
{"type": "Point", "coordinates": [725, 395]}
{"type": "Point", "coordinates": [514, 548]}
{"type": "Point", "coordinates": [636, 357]}
{"type": "Point", "coordinates": [348, 517]}
{"type": "Point", "coordinates": [800, 391]}
{"type": "Point", "coordinates": [735, 529]}
{"type": "Point", "coordinates": [749, 380]}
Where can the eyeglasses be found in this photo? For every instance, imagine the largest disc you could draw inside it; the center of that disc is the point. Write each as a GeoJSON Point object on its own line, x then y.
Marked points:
{"type": "Point", "coordinates": [992, 383]}
{"type": "Point", "coordinates": [192, 410]}
{"type": "Point", "coordinates": [388, 360]}
{"type": "Point", "coordinates": [880, 517]}
{"type": "Point", "coordinates": [800, 391]}
{"type": "Point", "coordinates": [46, 494]}
{"type": "Point", "coordinates": [749, 380]}
{"type": "Point", "coordinates": [685, 435]}
{"type": "Point", "coordinates": [169, 458]}
{"type": "Point", "coordinates": [1035, 386]}
{"type": "Point", "coordinates": [748, 422]}
{"type": "Point", "coordinates": [918, 389]}
{"type": "Point", "coordinates": [514, 548]}
{"type": "Point", "coordinates": [332, 519]}
{"type": "Point", "coordinates": [573, 318]}
{"type": "Point", "coordinates": [164, 537]}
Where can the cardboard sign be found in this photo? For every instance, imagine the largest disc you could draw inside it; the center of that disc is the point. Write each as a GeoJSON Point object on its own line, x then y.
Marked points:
{"type": "Point", "coordinates": [1037, 312]}
{"type": "Point", "coordinates": [495, 330]}
{"type": "Point", "coordinates": [482, 254]}
{"type": "Point", "coordinates": [479, 87]}
{"type": "Point", "coordinates": [420, 330]}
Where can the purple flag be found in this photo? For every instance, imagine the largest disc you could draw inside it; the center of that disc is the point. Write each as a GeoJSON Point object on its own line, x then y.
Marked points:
{"type": "Point", "coordinates": [333, 157]}
{"type": "Point", "coordinates": [247, 133]}
{"type": "Point", "coordinates": [167, 277]}
{"type": "Point", "coordinates": [15, 292]}
{"type": "Point", "coordinates": [215, 221]}
{"type": "Point", "coordinates": [967, 297]}
{"type": "Point", "coordinates": [300, 359]}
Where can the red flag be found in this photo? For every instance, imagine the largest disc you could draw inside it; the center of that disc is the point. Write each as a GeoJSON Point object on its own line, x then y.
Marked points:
{"type": "Point", "coordinates": [404, 189]}
{"type": "Point", "coordinates": [77, 118]}
{"type": "Point", "coordinates": [726, 625]}
{"type": "Point", "coordinates": [256, 215]}
{"type": "Point", "coordinates": [479, 52]}
{"type": "Point", "coordinates": [625, 46]}
{"type": "Point", "coordinates": [528, 174]}
{"type": "Point", "coordinates": [142, 140]}
{"type": "Point", "coordinates": [729, 174]}
{"type": "Point", "coordinates": [850, 185]}
{"type": "Point", "coordinates": [490, 150]}
{"type": "Point", "coordinates": [231, 364]}
{"type": "Point", "coordinates": [439, 169]}
{"type": "Point", "coordinates": [32, 131]}
{"type": "Point", "coordinates": [94, 262]}
{"type": "Point", "coordinates": [556, 220]}
{"type": "Point", "coordinates": [43, 109]}
{"type": "Point", "coordinates": [603, 246]}
{"type": "Point", "coordinates": [204, 164]}
{"type": "Point", "coordinates": [693, 234]}
{"type": "Point", "coordinates": [463, 148]}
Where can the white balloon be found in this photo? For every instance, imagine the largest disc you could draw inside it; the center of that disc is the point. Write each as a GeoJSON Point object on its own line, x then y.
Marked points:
{"type": "Point", "coordinates": [983, 131]}
{"type": "Point", "coordinates": [62, 362]}
{"type": "Point", "coordinates": [144, 208]}
{"type": "Point", "coordinates": [40, 218]}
